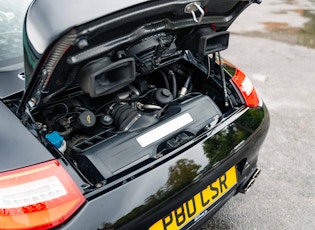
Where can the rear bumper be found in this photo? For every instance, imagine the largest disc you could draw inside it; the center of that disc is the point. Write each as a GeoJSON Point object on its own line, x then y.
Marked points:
{"type": "Point", "coordinates": [143, 200]}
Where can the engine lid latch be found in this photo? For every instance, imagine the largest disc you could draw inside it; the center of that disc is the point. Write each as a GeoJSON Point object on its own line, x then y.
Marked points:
{"type": "Point", "coordinates": [191, 8]}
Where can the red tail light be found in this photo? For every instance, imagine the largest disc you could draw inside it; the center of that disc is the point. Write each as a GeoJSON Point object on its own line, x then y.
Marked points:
{"type": "Point", "coordinates": [37, 197]}
{"type": "Point", "coordinates": [246, 87]}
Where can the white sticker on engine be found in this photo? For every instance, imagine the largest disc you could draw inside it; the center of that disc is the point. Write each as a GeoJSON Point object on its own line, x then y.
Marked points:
{"type": "Point", "coordinates": [164, 130]}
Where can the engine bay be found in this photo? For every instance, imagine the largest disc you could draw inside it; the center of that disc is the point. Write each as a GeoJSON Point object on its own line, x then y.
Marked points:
{"type": "Point", "coordinates": [133, 105]}
{"type": "Point", "coordinates": [143, 120]}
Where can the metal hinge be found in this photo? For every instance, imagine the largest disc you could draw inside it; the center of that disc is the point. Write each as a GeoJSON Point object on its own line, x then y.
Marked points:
{"type": "Point", "coordinates": [191, 8]}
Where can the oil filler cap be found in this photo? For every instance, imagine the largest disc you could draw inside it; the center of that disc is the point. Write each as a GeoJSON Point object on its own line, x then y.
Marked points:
{"type": "Point", "coordinates": [87, 119]}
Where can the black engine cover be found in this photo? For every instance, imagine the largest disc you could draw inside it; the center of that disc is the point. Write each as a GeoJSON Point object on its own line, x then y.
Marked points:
{"type": "Point", "coordinates": [124, 150]}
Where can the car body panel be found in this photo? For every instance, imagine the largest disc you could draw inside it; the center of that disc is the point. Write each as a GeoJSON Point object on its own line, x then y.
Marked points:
{"type": "Point", "coordinates": [140, 201]}
{"type": "Point", "coordinates": [48, 20]}
{"type": "Point", "coordinates": [19, 148]}
{"type": "Point", "coordinates": [12, 81]}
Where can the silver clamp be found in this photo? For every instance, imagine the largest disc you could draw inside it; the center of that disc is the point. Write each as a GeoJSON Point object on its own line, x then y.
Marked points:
{"type": "Point", "coordinates": [191, 8]}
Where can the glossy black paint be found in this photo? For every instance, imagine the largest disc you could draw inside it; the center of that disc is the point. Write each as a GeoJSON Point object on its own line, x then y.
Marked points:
{"type": "Point", "coordinates": [19, 148]}
{"type": "Point", "coordinates": [11, 81]}
{"type": "Point", "coordinates": [48, 20]}
{"type": "Point", "coordinates": [138, 202]}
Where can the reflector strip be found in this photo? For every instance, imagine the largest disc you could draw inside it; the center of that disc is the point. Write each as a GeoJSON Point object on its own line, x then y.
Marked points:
{"type": "Point", "coordinates": [32, 192]}
{"type": "Point", "coordinates": [164, 130]}
{"type": "Point", "coordinates": [247, 86]}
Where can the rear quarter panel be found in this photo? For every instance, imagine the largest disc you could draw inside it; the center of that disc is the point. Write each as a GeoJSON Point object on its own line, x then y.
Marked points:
{"type": "Point", "coordinates": [19, 148]}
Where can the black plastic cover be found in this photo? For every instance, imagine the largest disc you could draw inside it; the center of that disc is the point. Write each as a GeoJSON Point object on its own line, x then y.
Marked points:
{"type": "Point", "coordinates": [127, 149]}
{"type": "Point", "coordinates": [205, 41]}
{"type": "Point", "coordinates": [102, 76]}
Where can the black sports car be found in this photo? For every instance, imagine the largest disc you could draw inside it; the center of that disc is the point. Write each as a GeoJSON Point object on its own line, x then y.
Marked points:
{"type": "Point", "coordinates": [123, 114]}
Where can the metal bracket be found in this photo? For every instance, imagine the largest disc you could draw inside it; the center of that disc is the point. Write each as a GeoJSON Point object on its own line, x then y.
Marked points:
{"type": "Point", "coordinates": [192, 7]}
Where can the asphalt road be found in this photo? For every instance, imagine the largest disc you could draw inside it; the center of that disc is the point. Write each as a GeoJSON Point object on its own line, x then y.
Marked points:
{"type": "Point", "coordinates": [283, 72]}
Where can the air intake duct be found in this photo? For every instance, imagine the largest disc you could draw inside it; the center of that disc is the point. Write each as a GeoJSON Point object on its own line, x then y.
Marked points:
{"type": "Point", "coordinates": [128, 119]}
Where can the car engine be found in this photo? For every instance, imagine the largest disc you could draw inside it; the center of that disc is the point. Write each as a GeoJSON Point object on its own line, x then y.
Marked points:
{"type": "Point", "coordinates": [131, 106]}
{"type": "Point", "coordinates": [146, 119]}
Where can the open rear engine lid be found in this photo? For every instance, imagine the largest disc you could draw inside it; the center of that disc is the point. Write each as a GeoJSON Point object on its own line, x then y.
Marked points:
{"type": "Point", "coordinates": [60, 37]}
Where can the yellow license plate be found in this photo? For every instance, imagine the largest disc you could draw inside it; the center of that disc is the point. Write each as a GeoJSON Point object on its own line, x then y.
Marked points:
{"type": "Point", "coordinates": [195, 208]}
